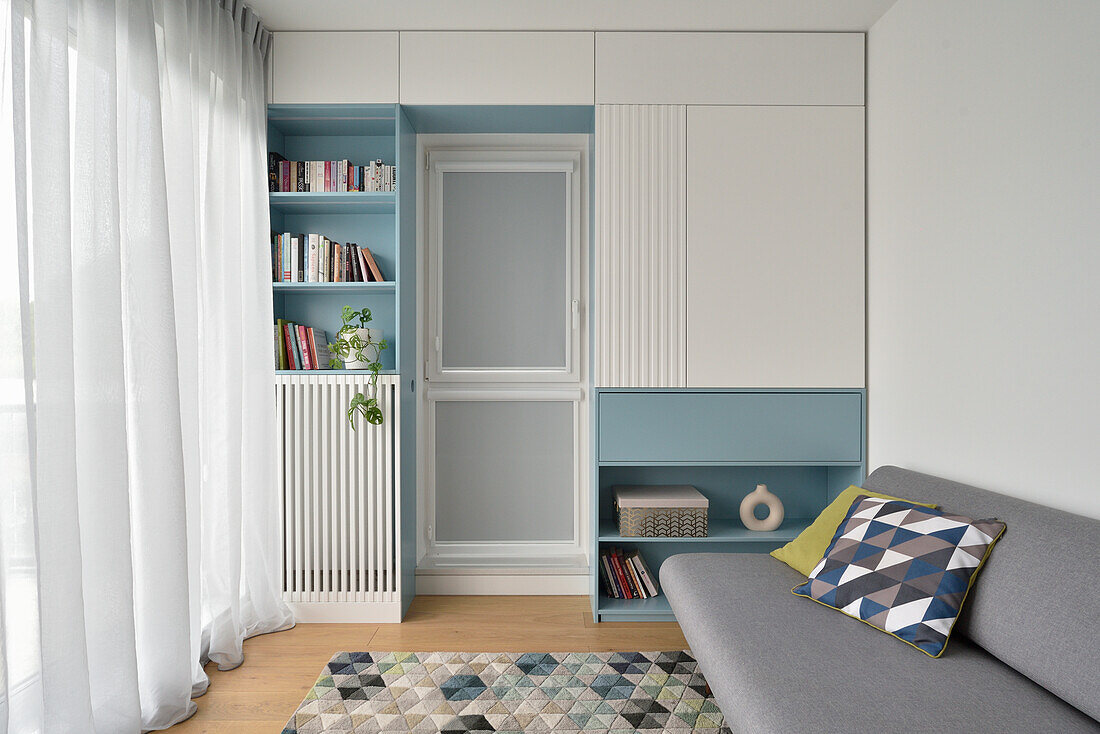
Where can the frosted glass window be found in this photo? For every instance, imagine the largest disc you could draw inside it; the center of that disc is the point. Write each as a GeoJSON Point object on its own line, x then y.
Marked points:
{"type": "Point", "coordinates": [505, 278]}
{"type": "Point", "coordinates": [504, 471]}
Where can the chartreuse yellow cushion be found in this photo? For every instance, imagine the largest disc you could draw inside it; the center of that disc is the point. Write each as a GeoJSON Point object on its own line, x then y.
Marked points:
{"type": "Point", "coordinates": [805, 551]}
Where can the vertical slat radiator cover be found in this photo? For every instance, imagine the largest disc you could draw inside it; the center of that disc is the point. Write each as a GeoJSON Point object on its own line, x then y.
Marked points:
{"type": "Point", "coordinates": [641, 246]}
{"type": "Point", "coordinates": [340, 516]}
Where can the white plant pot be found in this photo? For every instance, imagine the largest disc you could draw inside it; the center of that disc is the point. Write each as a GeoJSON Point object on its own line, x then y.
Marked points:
{"type": "Point", "coordinates": [371, 351]}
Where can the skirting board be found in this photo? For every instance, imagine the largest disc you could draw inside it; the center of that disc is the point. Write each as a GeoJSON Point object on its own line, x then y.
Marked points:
{"type": "Point", "coordinates": [364, 612]}
{"type": "Point", "coordinates": [497, 584]}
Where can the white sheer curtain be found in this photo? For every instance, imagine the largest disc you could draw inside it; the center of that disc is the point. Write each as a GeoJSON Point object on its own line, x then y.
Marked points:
{"type": "Point", "coordinates": [138, 533]}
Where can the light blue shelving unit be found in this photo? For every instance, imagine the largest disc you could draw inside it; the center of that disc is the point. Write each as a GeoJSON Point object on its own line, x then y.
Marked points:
{"type": "Point", "coordinates": [806, 445]}
{"type": "Point", "coordinates": [383, 221]}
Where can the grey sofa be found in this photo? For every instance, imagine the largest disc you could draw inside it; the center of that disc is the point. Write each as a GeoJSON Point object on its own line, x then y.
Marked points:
{"type": "Point", "coordinates": [1024, 656]}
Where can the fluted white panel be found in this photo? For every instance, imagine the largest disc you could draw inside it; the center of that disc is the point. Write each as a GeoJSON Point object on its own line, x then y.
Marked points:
{"type": "Point", "coordinates": [340, 514]}
{"type": "Point", "coordinates": [640, 300]}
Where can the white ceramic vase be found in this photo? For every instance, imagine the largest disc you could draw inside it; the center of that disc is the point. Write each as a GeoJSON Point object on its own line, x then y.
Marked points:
{"type": "Point", "coordinates": [761, 496]}
{"type": "Point", "coordinates": [370, 337]}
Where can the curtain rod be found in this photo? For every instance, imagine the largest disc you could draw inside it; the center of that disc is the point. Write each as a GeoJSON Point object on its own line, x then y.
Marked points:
{"type": "Point", "coordinates": [250, 23]}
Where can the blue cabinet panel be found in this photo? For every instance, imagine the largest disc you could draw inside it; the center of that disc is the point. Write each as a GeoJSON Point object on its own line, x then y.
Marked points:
{"type": "Point", "coordinates": [724, 427]}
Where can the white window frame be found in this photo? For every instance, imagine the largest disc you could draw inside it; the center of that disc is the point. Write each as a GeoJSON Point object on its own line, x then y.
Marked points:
{"type": "Point", "coordinates": [571, 387]}
{"type": "Point", "coordinates": [441, 162]}
{"type": "Point", "coordinates": [504, 549]}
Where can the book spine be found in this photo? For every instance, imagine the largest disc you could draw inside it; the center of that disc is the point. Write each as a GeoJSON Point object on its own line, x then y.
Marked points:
{"type": "Point", "coordinates": [297, 347]}
{"type": "Point", "coordinates": [620, 575]}
{"type": "Point", "coordinates": [647, 578]}
{"type": "Point", "coordinates": [604, 581]}
{"type": "Point", "coordinates": [300, 177]}
{"type": "Point", "coordinates": [302, 255]}
{"type": "Point", "coordinates": [343, 175]}
{"type": "Point", "coordinates": [280, 344]}
{"type": "Point", "coordinates": [375, 272]}
{"type": "Point", "coordinates": [307, 242]}
{"type": "Point", "coordinates": [320, 340]}
{"type": "Point", "coordinates": [308, 356]}
{"type": "Point", "coordinates": [612, 587]}
{"type": "Point", "coordinates": [353, 256]}
{"type": "Point", "coordinates": [363, 265]}
{"type": "Point", "coordinates": [289, 346]}
{"type": "Point", "coordinates": [629, 577]}
{"type": "Point", "coordinates": [312, 348]}
{"type": "Point", "coordinates": [294, 258]}
{"type": "Point", "coordinates": [273, 159]}
{"type": "Point", "coordinates": [625, 565]}
{"type": "Point", "coordinates": [636, 576]}
{"type": "Point", "coordinates": [284, 256]}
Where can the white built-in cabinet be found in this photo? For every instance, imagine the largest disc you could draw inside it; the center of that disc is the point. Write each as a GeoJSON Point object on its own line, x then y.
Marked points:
{"type": "Point", "coordinates": [730, 211]}
{"type": "Point", "coordinates": [352, 67]}
{"type": "Point", "coordinates": [729, 182]}
{"type": "Point", "coordinates": [729, 68]}
{"type": "Point", "coordinates": [775, 246]}
{"type": "Point", "coordinates": [497, 68]}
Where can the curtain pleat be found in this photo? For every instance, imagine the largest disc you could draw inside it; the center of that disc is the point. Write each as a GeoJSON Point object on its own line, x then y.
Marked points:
{"type": "Point", "coordinates": [139, 538]}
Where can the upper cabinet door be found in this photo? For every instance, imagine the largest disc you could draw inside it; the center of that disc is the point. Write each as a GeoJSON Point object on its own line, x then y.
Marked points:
{"type": "Point", "coordinates": [457, 67]}
{"type": "Point", "coordinates": [775, 247]}
{"type": "Point", "coordinates": [334, 68]}
{"type": "Point", "coordinates": [730, 68]}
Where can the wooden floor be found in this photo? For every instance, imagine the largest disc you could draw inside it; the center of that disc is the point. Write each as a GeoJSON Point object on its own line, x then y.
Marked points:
{"type": "Point", "coordinates": [279, 668]}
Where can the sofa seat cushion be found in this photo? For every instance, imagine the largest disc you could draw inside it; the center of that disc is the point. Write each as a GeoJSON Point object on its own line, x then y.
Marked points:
{"type": "Point", "coordinates": [779, 663]}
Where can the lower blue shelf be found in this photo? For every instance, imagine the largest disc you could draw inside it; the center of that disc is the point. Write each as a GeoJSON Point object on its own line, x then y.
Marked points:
{"type": "Point", "coordinates": [634, 610]}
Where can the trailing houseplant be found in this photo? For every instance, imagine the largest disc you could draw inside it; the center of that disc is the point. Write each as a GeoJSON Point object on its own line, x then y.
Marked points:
{"type": "Point", "coordinates": [359, 347]}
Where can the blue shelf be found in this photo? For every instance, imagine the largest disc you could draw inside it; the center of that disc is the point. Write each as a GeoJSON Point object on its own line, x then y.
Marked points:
{"type": "Point", "coordinates": [722, 530]}
{"type": "Point", "coordinates": [387, 287]}
{"type": "Point", "coordinates": [333, 202]}
{"type": "Point", "coordinates": [724, 442]}
{"type": "Point", "coordinates": [647, 610]}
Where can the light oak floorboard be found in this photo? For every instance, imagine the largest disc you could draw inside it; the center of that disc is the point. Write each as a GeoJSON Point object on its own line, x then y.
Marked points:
{"type": "Point", "coordinates": [279, 668]}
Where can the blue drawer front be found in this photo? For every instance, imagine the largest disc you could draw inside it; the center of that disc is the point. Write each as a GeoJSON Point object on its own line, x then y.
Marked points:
{"type": "Point", "coordinates": [760, 427]}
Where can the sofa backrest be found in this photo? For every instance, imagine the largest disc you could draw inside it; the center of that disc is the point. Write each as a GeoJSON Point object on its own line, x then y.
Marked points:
{"type": "Point", "coordinates": [1036, 603]}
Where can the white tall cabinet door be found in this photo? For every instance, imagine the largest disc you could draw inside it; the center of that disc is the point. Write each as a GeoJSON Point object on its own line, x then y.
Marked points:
{"type": "Point", "coordinates": [775, 277]}
{"type": "Point", "coordinates": [495, 67]}
{"type": "Point", "coordinates": [352, 67]}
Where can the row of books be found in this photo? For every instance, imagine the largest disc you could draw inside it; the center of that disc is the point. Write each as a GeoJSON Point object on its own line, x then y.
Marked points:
{"type": "Point", "coordinates": [300, 347]}
{"type": "Point", "coordinates": [626, 575]}
{"type": "Point", "coordinates": [314, 258]}
{"type": "Point", "coordinates": [328, 176]}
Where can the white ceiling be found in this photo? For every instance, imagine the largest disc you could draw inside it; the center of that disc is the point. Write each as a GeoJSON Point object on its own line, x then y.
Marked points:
{"type": "Point", "coordinates": [669, 15]}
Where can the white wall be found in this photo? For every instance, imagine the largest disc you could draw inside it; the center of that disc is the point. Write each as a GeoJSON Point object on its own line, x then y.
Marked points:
{"type": "Point", "coordinates": [984, 245]}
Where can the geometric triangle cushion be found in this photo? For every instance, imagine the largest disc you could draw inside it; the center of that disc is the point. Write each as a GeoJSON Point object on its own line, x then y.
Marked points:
{"type": "Point", "coordinates": [902, 568]}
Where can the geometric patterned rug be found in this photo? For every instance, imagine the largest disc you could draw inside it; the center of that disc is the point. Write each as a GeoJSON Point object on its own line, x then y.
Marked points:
{"type": "Point", "coordinates": [508, 692]}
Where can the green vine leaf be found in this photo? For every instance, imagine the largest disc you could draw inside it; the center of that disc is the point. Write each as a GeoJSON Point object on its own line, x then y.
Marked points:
{"type": "Point", "coordinates": [350, 346]}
